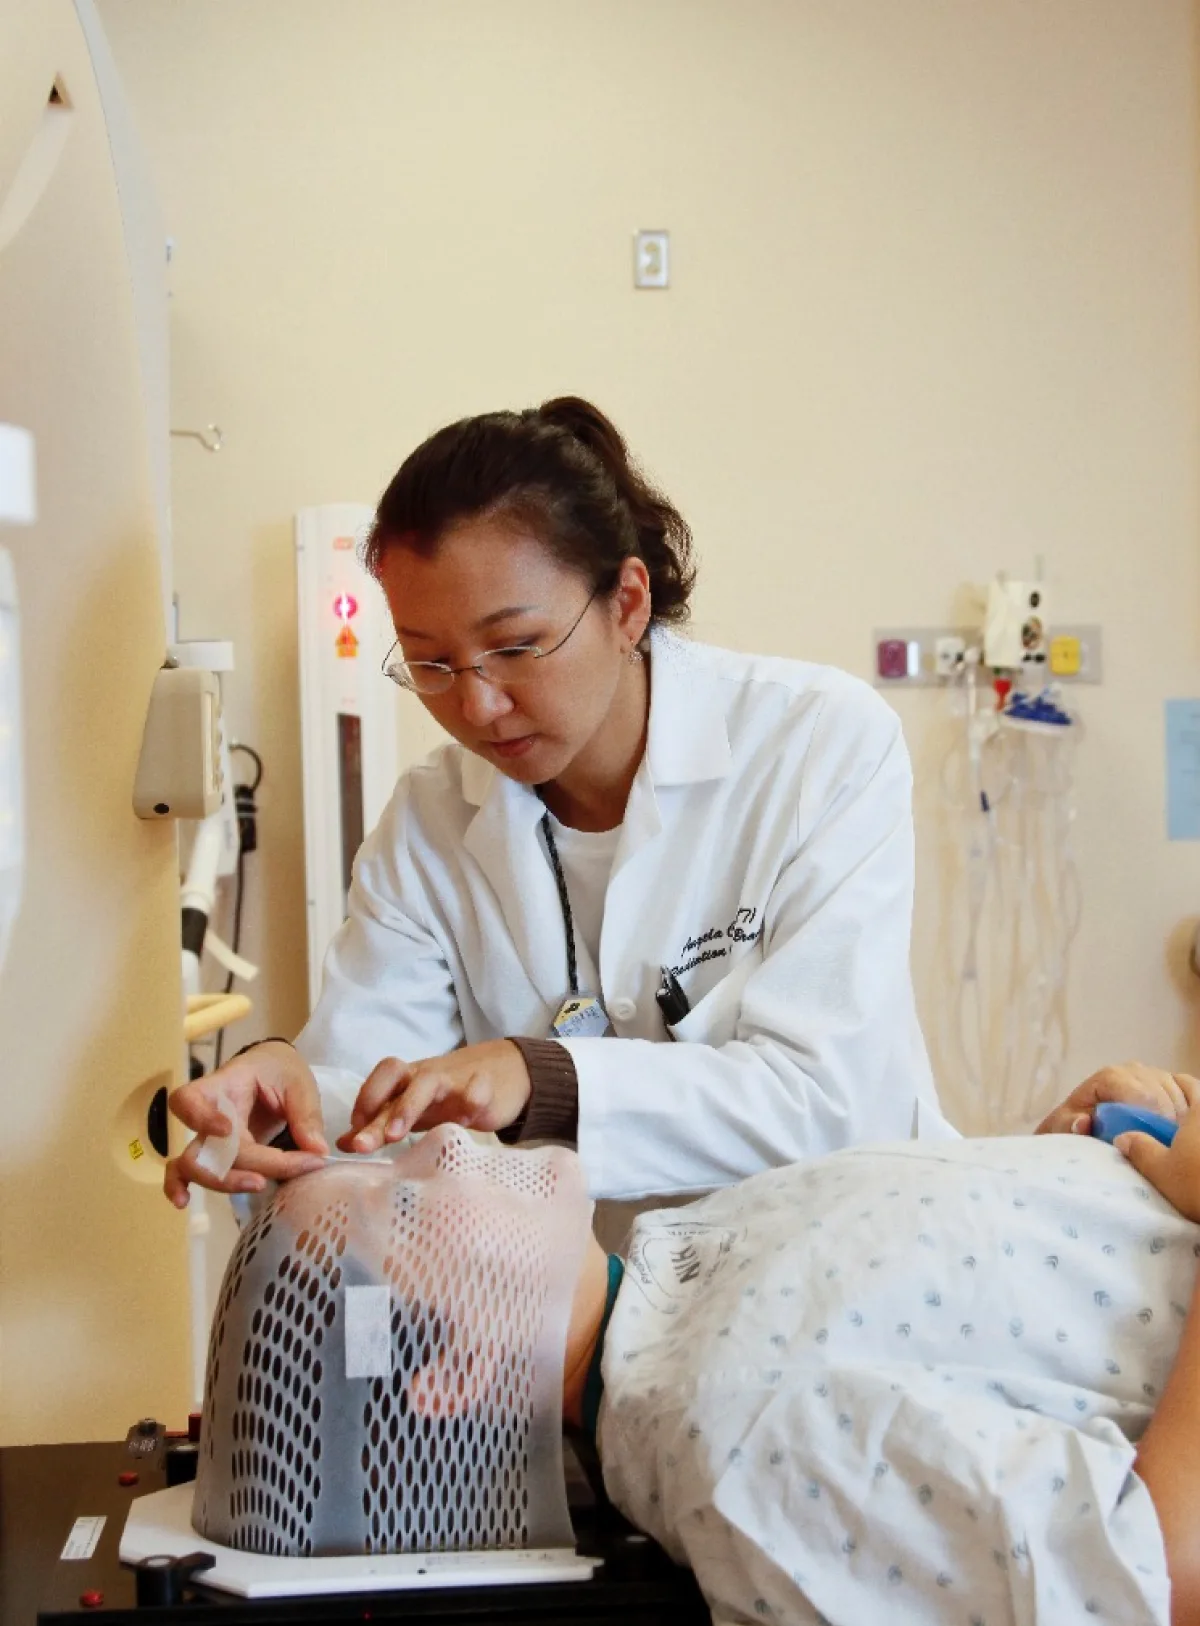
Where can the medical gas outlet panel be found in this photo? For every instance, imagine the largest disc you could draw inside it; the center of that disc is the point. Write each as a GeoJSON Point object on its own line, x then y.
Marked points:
{"type": "Point", "coordinates": [1014, 636]}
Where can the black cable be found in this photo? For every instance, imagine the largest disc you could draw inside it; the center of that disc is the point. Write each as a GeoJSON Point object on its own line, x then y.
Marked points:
{"type": "Point", "coordinates": [564, 898]}
{"type": "Point", "coordinates": [247, 813]}
{"type": "Point", "coordinates": [258, 763]}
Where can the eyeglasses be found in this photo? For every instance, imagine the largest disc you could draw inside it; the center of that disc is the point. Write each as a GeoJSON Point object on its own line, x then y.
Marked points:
{"type": "Point", "coordinates": [505, 668]}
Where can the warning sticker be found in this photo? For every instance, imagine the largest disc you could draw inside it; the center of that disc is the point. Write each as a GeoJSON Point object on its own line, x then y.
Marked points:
{"type": "Point", "coordinates": [85, 1533]}
{"type": "Point", "coordinates": [136, 1150]}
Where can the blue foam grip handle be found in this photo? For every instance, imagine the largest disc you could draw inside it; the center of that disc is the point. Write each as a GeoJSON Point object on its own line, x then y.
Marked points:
{"type": "Point", "coordinates": [1113, 1118]}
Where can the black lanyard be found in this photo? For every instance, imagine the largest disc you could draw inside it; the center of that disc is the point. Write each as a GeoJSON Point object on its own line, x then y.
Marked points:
{"type": "Point", "coordinates": [565, 900]}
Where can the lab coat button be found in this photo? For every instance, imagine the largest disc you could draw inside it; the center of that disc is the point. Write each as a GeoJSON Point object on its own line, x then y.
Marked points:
{"type": "Point", "coordinates": [624, 1010]}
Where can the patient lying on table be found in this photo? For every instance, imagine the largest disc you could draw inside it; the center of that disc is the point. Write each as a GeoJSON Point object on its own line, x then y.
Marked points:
{"type": "Point", "coordinates": [904, 1382]}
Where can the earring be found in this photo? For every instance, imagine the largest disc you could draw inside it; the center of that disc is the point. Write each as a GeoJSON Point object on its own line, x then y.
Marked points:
{"type": "Point", "coordinates": [635, 655]}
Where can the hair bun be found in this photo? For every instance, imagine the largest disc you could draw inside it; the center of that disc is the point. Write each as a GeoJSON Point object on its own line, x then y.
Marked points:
{"type": "Point", "coordinates": [561, 469]}
{"type": "Point", "coordinates": [588, 425]}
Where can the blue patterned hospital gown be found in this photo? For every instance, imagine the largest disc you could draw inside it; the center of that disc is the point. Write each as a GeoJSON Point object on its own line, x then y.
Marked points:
{"type": "Point", "coordinates": [903, 1384]}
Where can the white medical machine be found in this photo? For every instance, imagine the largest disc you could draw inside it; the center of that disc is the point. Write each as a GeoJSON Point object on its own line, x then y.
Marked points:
{"type": "Point", "coordinates": [17, 507]}
{"type": "Point", "coordinates": [358, 732]}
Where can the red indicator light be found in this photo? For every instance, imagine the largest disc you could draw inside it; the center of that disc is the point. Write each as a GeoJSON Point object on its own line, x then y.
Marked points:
{"type": "Point", "coordinates": [345, 606]}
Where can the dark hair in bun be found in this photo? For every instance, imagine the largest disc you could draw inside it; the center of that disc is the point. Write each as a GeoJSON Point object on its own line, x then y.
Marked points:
{"type": "Point", "coordinates": [561, 471]}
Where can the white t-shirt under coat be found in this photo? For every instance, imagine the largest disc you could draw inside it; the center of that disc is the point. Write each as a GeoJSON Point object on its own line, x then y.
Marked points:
{"type": "Point", "coordinates": [587, 858]}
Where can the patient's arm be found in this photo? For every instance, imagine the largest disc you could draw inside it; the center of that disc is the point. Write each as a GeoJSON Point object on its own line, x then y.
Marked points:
{"type": "Point", "coordinates": [1168, 1462]}
{"type": "Point", "coordinates": [1168, 1459]}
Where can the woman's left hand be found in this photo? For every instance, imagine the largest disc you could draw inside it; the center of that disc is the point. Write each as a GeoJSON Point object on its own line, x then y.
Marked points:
{"type": "Point", "coordinates": [482, 1086]}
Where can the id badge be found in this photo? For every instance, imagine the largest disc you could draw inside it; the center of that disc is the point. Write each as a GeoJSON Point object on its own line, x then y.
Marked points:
{"type": "Point", "coordinates": [580, 1017]}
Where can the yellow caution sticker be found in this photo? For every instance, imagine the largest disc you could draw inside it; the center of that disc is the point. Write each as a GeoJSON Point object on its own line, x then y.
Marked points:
{"type": "Point", "coordinates": [136, 1150]}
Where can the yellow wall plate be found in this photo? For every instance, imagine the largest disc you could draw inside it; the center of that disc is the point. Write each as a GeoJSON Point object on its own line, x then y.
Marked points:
{"type": "Point", "coordinates": [1065, 656]}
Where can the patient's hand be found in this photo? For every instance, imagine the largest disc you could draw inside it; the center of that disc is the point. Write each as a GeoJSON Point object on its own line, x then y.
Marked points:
{"type": "Point", "coordinates": [1173, 1170]}
{"type": "Point", "coordinates": [1170, 1094]}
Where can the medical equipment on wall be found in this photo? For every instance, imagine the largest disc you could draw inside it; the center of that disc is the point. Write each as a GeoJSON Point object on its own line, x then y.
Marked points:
{"type": "Point", "coordinates": [179, 768]}
{"type": "Point", "coordinates": [1014, 625]}
{"type": "Point", "coordinates": [215, 842]}
{"type": "Point", "coordinates": [1012, 909]}
{"type": "Point", "coordinates": [356, 732]}
{"type": "Point", "coordinates": [18, 506]}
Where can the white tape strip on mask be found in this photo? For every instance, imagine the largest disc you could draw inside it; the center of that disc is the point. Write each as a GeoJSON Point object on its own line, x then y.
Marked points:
{"type": "Point", "coordinates": [368, 1332]}
{"type": "Point", "coordinates": [217, 1154]}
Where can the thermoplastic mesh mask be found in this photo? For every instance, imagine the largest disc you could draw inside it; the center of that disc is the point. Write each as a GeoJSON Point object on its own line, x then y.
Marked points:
{"type": "Point", "coordinates": [386, 1358]}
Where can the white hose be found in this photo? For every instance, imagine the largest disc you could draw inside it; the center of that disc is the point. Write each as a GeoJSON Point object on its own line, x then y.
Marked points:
{"type": "Point", "coordinates": [1013, 917]}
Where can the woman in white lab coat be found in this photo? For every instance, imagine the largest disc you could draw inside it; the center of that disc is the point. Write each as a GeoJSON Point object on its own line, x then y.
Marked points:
{"type": "Point", "coordinates": [655, 898]}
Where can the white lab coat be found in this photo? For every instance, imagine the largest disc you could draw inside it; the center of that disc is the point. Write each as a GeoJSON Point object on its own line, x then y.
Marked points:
{"type": "Point", "coordinates": [766, 854]}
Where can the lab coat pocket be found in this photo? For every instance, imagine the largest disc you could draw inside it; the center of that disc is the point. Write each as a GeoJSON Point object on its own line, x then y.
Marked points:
{"type": "Point", "coordinates": [714, 1019]}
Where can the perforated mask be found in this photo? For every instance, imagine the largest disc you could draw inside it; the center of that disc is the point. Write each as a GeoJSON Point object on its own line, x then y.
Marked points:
{"type": "Point", "coordinates": [386, 1359]}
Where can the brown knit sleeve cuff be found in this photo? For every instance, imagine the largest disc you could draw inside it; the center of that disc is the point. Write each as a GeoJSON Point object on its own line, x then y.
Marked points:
{"type": "Point", "coordinates": [552, 1111]}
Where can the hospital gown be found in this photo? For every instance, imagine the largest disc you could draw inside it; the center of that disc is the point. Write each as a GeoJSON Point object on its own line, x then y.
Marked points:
{"type": "Point", "coordinates": [902, 1384]}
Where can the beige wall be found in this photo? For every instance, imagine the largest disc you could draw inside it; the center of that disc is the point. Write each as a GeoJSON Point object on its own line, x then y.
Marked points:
{"type": "Point", "coordinates": [93, 1330]}
{"type": "Point", "coordinates": [934, 314]}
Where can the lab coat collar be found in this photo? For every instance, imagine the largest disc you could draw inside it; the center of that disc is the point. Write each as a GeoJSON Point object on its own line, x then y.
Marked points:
{"type": "Point", "coordinates": [478, 777]}
{"type": "Point", "coordinates": [687, 743]}
{"type": "Point", "coordinates": [503, 839]}
{"type": "Point", "coordinates": [689, 738]}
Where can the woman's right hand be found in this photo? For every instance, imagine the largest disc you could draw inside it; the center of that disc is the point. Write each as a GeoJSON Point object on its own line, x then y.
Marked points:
{"type": "Point", "coordinates": [269, 1088]}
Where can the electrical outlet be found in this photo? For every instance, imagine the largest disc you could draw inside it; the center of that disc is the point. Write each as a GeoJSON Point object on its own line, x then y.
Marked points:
{"type": "Point", "coordinates": [949, 653]}
{"type": "Point", "coordinates": [652, 259]}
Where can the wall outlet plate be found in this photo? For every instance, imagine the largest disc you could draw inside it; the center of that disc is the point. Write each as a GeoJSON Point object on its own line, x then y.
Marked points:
{"type": "Point", "coordinates": [652, 259]}
{"type": "Point", "coordinates": [949, 654]}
